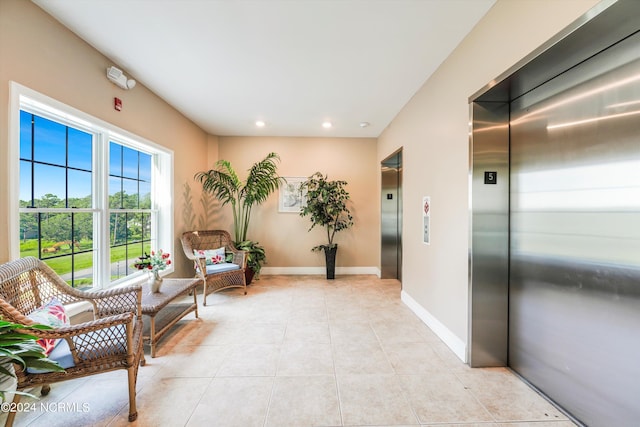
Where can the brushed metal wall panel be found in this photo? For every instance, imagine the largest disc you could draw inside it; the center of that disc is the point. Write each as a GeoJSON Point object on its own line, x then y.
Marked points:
{"type": "Point", "coordinates": [575, 238]}
{"type": "Point", "coordinates": [489, 239]}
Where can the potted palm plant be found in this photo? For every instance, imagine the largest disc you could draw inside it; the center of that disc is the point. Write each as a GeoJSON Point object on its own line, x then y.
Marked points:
{"type": "Point", "coordinates": [223, 183]}
{"type": "Point", "coordinates": [17, 346]}
{"type": "Point", "coordinates": [326, 205]}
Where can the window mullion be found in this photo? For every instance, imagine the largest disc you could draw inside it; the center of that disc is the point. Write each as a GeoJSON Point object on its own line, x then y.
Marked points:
{"type": "Point", "coordinates": [101, 217]}
{"type": "Point", "coordinates": [33, 166]}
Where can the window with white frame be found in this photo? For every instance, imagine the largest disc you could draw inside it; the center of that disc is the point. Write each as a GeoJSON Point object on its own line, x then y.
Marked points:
{"type": "Point", "coordinates": [91, 198]}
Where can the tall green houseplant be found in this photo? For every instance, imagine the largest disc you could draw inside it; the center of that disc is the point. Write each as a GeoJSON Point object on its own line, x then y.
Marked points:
{"type": "Point", "coordinates": [224, 184]}
{"type": "Point", "coordinates": [326, 205]}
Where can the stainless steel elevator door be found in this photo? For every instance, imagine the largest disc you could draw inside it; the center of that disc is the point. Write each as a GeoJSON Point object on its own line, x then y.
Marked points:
{"type": "Point", "coordinates": [574, 296]}
{"type": "Point", "coordinates": [391, 217]}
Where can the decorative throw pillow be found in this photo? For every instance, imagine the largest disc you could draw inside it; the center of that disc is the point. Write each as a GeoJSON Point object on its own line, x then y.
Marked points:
{"type": "Point", "coordinates": [211, 256]}
{"type": "Point", "coordinates": [51, 314]}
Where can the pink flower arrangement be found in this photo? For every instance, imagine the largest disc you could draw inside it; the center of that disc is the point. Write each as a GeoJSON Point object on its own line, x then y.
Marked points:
{"type": "Point", "coordinates": [155, 262]}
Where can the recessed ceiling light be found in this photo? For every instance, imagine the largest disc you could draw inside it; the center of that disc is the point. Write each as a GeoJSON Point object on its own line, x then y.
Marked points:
{"type": "Point", "coordinates": [326, 124]}
{"type": "Point", "coordinates": [260, 123]}
{"type": "Point", "coordinates": [364, 124]}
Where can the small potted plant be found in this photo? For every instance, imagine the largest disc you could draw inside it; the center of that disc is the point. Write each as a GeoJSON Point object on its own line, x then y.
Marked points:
{"type": "Point", "coordinates": [154, 263]}
{"type": "Point", "coordinates": [326, 205]}
{"type": "Point", "coordinates": [256, 256]}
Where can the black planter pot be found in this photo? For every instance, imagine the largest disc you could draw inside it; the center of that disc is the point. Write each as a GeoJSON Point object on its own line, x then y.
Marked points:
{"type": "Point", "coordinates": [248, 275]}
{"type": "Point", "coordinates": [330, 258]}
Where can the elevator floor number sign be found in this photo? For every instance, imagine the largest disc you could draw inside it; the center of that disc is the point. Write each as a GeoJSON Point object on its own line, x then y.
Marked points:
{"type": "Point", "coordinates": [490, 177]}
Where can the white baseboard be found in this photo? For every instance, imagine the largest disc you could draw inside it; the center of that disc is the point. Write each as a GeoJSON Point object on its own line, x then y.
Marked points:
{"type": "Point", "coordinates": [449, 338]}
{"type": "Point", "coordinates": [318, 270]}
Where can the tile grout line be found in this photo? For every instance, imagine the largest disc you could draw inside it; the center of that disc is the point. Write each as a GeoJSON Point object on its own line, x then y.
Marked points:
{"type": "Point", "coordinates": [333, 362]}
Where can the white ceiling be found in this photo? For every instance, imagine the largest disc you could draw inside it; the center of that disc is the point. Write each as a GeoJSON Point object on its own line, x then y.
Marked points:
{"type": "Point", "coordinates": [292, 63]}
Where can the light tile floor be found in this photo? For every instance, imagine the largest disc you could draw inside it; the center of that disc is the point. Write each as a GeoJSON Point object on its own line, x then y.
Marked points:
{"type": "Point", "coordinates": [302, 351]}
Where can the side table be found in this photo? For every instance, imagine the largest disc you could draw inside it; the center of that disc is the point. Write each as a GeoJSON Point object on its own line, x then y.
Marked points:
{"type": "Point", "coordinates": [153, 303]}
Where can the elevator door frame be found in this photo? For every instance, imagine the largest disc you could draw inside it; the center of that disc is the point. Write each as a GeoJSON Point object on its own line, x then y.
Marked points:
{"type": "Point", "coordinates": [607, 24]}
{"type": "Point", "coordinates": [600, 28]}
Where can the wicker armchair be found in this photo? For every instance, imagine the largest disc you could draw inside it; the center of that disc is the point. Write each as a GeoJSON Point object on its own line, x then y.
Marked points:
{"type": "Point", "coordinates": [215, 279]}
{"type": "Point", "coordinates": [112, 341]}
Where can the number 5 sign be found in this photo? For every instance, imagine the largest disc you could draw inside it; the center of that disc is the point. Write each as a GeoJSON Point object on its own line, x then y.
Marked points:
{"type": "Point", "coordinates": [426, 220]}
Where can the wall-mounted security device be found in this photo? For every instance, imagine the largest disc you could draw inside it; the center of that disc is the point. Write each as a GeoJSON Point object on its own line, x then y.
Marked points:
{"type": "Point", "coordinates": [119, 79]}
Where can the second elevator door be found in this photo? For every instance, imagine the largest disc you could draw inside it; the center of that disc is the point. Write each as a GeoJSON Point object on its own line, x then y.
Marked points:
{"type": "Point", "coordinates": [391, 217]}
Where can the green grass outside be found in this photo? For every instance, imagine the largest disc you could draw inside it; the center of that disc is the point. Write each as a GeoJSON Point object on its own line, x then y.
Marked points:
{"type": "Point", "coordinates": [62, 264]}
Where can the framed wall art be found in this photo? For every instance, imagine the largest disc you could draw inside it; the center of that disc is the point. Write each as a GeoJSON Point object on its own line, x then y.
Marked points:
{"type": "Point", "coordinates": [291, 196]}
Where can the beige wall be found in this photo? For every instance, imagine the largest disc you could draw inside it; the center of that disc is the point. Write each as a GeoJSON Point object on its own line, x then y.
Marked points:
{"type": "Point", "coordinates": [39, 53]}
{"type": "Point", "coordinates": [284, 235]}
{"type": "Point", "coordinates": [433, 131]}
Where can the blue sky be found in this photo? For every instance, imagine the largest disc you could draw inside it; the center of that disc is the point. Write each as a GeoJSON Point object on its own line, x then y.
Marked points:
{"type": "Point", "coordinates": [50, 148]}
